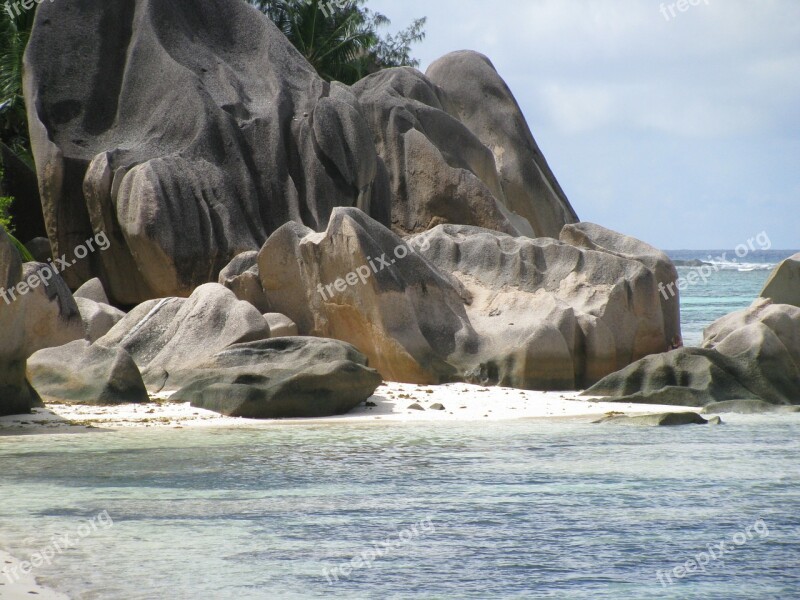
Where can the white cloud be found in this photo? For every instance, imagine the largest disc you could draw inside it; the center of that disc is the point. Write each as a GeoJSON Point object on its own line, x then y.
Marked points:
{"type": "Point", "coordinates": [617, 96]}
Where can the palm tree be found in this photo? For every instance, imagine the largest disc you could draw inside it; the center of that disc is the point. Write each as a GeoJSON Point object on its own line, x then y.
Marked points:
{"type": "Point", "coordinates": [334, 39]}
{"type": "Point", "coordinates": [339, 38]}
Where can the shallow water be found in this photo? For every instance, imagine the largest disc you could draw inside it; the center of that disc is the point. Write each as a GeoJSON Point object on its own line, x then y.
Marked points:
{"type": "Point", "coordinates": [730, 287]}
{"type": "Point", "coordinates": [526, 509]}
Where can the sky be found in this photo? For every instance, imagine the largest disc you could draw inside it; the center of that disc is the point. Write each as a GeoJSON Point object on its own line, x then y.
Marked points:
{"type": "Point", "coordinates": [682, 131]}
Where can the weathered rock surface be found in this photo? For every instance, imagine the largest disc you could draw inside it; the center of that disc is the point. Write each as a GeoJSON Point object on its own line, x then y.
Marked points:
{"type": "Point", "coordinates": [595, 237]}
{"type": "Point", "coordinates": [659, 420]}
{"type": "Point", "coordinates": [86, 374]}
{"type": "Point", "coordinates": [529, 187]}
{"type": "Point", "coordinates": [231, 141]}
{"type": "Point", "coordinates": [408, 318]}
{"type": "Point", "coordinates": [546, 311]}
{"type": "Point", "coordinates": [241, 277]}
{"type": "Point", "coordinates": [92, 290]}
{"type": "Point", "coordinates": [452, 157]}
{"type": "Point", "coordinates": [16, 394]}
{"type": "Point", "coordinates": [227, 143]}
{"type": "Point", "coordinates": [172, 334]}
{"type": "Point", "coordinates": [783, 285]}
{"type": "Point", "coordinates": [750, 355]}
{"type": "Point", "coordinates": [280, 378]}
{"type": "Point", "coordinates": [462, 303]}
{"type": "Point", "coordinates": [280, 325]}
{"type": "Point", "coordinates": [51, 314]}
{"type": "Point", "coordinates": [98, 319]}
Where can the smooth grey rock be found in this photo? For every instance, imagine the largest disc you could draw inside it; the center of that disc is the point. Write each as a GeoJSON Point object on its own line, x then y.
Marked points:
{"type": "Point", "coordinates": [92, 290]}
{"type": "Point", "coordinates": [40, 249]}
{"type": "Point", "coordinates": [280, 378]}
{"type": "Point", "coordinates": [280, 325]}
{"type": "Point", "coordinates": [715, 421]}
{"type": "Point", "coordinates": [783, 285]}
{"type": "Point", "coordinates": [683, 377]}
{"type": "Point", "coordinates": [51, 314]}
{"type": "Point", "coordinates": [659, 420]}
{"type": "Point", "coordinates": [86, 374]}
{"type": "Point", "coordinates": [16, 394]}
{"type": "Point", "coordinates": [437, 406]}
{"type": "Point", "coordinates": [173, 334]}
{"type": "Point", "coordinates": [236, 135]}
{"type": "Point", "coordinates": [98, 319]}
{"type": "Point", "coordinates": [465, 81]}
{"type": "Point", "coordinates": [416, 406]}
{"type": "Point", "coordinates": [749, 355]}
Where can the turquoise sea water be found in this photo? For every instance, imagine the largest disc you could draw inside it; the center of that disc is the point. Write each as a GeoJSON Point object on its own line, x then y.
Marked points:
{"type": "Point", "coordinates": [731, 286]}
{"type": "Point", "coordinates": [526, 509]}
{"type": "Point", "coordinates": [504, 510]}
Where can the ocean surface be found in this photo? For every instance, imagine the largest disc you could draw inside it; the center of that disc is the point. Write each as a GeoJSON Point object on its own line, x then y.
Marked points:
{"type": "Point", "coordinates": [525, 509]}
{"type": "Point", "coordinates": [732, 285]}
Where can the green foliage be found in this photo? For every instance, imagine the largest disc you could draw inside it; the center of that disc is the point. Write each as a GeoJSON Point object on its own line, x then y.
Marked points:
{"type": "Point", "coordinates": [5, 206]}
{"type": "Point", "coordinates": [339, 38]}
{"type": "Point", "coordinates": [14, 34]}
{"type": "Point", "coordinates": [23, 251]}
{"type": "Point", "coordinates": [5, 212]}
{"type": "Point", "coordinates": [395, 50]}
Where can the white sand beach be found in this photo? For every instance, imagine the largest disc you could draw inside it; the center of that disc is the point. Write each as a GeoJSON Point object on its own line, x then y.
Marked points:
{"type": "Point", "coordinates": [392, 402]}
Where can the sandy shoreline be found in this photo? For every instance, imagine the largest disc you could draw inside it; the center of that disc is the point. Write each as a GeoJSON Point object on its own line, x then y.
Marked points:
{"type": "Point", "coordinates": [461, 402]}
{"type": "Point", "coordinates": [14, 585]}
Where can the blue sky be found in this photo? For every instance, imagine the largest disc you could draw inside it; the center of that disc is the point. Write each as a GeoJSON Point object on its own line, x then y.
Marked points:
{"type": "Point", "coordinates": [681, 131]}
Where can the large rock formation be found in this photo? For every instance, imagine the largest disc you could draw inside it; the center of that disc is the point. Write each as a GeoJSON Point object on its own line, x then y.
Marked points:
{"type": "Point", "coordinates": [408, 318]}
{"type": "Point", "coordinates": [783, 285]}
{"type": "Point", "coordinates": [454, 158]}
{"type": "Point", "coordinates": [463, 303]}
{"type": "Point", "coordinates": [751, 355]}
{"type": "Point", "coordinates": [237, 135]}
{"type": "Point", "coordinates": [16, 395]}
{"type": "Point", "coordinates": [528, 187]}
{"type": "Point", "coordinates": [595, 237]}
{"type": "Point", "coordinates": [37, 311]}
{"type": "Point", "coordinates": [280, 378]}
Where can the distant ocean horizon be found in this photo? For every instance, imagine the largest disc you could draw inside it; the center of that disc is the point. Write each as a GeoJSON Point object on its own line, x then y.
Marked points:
{"type": "Point", "coordinates": [733, 285]}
